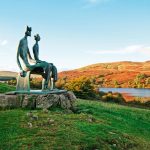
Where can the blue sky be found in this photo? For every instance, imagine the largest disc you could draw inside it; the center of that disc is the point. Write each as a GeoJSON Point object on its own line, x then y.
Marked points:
{"type": "Point", "coordinates": [75, 33]}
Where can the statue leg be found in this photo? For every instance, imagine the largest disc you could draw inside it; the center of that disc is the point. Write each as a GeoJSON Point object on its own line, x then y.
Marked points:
{"type": "Point", "coordinates": [47, 76]}
{"type": "Point", "coordinates": [54, 75]}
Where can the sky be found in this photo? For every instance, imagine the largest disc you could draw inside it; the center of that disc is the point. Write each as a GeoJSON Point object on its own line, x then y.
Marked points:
{"type": "Point", "coordinates": [76, 33]}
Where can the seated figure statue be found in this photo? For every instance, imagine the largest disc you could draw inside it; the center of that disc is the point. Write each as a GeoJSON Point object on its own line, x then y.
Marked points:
{"type": "Point", "coordinates": [29, 64]}
{"type": "Point", "coordinates": [36, 57]}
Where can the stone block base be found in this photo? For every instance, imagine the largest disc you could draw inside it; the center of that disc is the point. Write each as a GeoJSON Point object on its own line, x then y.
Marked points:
{"type": "Point", "coordinates": [45, 101]}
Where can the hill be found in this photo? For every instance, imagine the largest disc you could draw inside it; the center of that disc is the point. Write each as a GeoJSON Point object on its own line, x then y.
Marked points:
{"type": "Point", "coordinates": [8, 74]}
{"type": "Point", "coordinates": [94, 125]}
{"type": "Point", "coordinates": [116, 74]}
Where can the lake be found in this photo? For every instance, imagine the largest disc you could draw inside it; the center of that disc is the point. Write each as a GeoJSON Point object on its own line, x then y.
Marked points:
{"type": "Point", "coordinates": [130, 91]}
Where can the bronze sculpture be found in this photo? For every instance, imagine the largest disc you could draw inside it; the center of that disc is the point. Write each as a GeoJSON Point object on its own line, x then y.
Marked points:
{"type": "Point", "coordinates": [29, 64]}
{"type": "Point", "coordinates": [36, 57]}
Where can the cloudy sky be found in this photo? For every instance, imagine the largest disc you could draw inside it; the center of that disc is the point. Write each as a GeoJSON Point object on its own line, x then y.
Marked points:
{"type": "Point", "coordinates": [75, 33]}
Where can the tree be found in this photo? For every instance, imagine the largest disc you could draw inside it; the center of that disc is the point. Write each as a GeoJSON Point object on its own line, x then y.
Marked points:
{"type": "Point", "coordinates": [82, 87]}
{"type": "Point", "coordinates": [140, 80]}
{"type": "Point", "coordinates": [116, 84]}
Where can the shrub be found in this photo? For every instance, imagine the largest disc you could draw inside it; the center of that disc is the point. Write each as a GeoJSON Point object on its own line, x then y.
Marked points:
{"type": "Point", "coordinates": [82, 87]}
{"type": "Point", "coordinates": [36, 83]}
{"type": "Point", "coordinates": [113, 97]}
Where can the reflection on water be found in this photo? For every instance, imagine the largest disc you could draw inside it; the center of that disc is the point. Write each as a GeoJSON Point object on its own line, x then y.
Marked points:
{"type": "Point", "coordinates": [130, 91]}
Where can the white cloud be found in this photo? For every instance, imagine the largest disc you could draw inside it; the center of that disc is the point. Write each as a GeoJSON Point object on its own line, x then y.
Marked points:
{"type": "Point", "coordinates": [127, 50]}
{"type": "Point", "coordinates": [3, 43]}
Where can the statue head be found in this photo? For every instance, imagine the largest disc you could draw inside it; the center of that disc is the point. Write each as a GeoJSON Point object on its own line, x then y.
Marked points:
{"type": "Point", "coordinates": [37, 37]}
{"type": "Point", "coordinates": [28, 31]}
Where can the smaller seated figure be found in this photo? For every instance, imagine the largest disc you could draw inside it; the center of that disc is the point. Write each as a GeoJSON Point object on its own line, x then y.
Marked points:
{"type": "Point", "coordinates": [28, 65]}
{"type": "Point", "coordinates": [36, 57]}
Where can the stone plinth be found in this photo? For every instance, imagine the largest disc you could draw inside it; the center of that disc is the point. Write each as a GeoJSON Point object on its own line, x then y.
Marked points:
{"type": "Point", "coordinates": [44, 101]}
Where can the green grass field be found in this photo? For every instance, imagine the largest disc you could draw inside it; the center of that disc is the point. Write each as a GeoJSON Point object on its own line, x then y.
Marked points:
{"type": "Point", "coordinates": [95, 125]}
{"type": "Point", "coordinates": [6, 88]}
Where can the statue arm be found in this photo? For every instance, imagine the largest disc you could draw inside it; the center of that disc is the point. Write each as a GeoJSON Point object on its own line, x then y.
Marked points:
{"type": "Point", "coordinates": [31, 59]}
{"type": "Point", "coordinates": [29, 54]}
{"type": "Point", "coordinates": [18, 61]}
{"type": "Point", "coordinates": [22, 72]}
{"type": "Point", "coordinates": [36, 56]}
{"type": "Point", "coordinates": [36, 53]}
{"type": "Point", "coordinates": [37, 59]}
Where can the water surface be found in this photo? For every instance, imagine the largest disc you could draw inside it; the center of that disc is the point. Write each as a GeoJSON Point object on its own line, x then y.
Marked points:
{"type": "Point", "coordinates": [130, 91]}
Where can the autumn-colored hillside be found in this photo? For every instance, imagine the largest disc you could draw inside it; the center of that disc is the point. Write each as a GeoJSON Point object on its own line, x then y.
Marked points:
{"type": "Point", "coordinates": [116, 74]}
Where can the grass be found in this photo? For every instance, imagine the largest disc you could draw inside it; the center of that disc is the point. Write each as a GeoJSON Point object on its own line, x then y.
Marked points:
{"type": "Point", "coordinates": [6, 88]}
{"type": "Point", "coordinates": [94, 125]}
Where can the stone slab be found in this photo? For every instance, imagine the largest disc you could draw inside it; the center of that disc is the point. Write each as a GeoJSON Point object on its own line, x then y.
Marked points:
{"type": "Point", "coordinates": [39, 92]}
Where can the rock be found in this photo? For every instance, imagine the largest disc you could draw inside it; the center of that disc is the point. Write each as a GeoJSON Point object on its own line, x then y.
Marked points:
{"type": "Point", "coordinates": [29, 124]}
{"type": "Point", "coordinates": [91, 119]}
{"type": "Point", "coordinates": [45, 101]}
{"type": "Point", "coordinates": [30, 114]}
{"type": "Point", "coordinates": [71, 96]}
{"type": "Point", "coordinates": [50, 121]}
{"type": "Point", "coordinates": [64, 102]}
{"type": "Point", "coordinates": [35, 117]}
{"type": "Point", "coordinates": [9, 101]}
{"type": "Point", "coordinates": [29, 101]}
{"type": "Point", "coordinates": [45, 110]}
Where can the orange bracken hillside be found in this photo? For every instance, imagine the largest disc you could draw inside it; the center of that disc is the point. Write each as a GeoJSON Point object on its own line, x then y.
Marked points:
{"type": "Point", "coordinates": [121, 74]}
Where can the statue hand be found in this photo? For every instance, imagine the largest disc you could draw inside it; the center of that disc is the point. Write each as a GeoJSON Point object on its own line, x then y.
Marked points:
{"type": "Point", "coordinates": [51, 64]}
{"type": "Point", "coordinates": [22, 73]}
{"type": "Point", "coordinates": [38, 61]}
{"type": "Point", "coordinates": [33, 61]}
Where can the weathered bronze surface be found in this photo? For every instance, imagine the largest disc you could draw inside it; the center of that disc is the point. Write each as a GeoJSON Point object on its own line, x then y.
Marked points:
{"type": "Point", "coordinates": [29, 66]}
{"type": "Point", "coordinates": [36, 57]}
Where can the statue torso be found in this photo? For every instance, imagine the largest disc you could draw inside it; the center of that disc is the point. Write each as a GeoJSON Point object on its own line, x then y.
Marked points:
{"type": "Point", "coordinates": [23, 49]}
{"type": "Point", "coordinates": [36, 51]}
{"type": "Point", "coordinates": [23, 53]}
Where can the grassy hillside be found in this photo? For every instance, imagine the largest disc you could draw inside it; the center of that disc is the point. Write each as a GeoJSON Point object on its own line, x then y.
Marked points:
{"type": "Point", "coordinates": [95, 125]}
{"type": "Point", "coordinates": [116, 74]}
{"type": "Point", "coordinates": [6, 88]}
